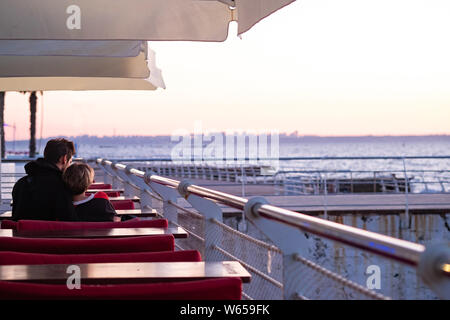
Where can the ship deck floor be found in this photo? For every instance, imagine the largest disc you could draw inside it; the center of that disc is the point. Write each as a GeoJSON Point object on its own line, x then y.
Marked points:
{"type": "Point", "coordinates": [377, 203]}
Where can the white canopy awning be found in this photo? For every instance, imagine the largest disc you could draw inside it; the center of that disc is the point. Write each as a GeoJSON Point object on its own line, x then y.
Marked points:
{"type": "Point", "coordinates": [187, 20]}
{"type": "Point", "coordinates": [73, 84]}
{"type": "Point", "coordinates": [43, 73]}
{"type": "Point", "coordinates": [72, 48]}
{"type": "Point", "coordinates": [50, 66]}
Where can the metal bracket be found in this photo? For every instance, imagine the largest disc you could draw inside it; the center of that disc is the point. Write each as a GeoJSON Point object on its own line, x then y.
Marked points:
{"type": "Point", "coordinates": [127, 182]}
{"type": "Point", "coordinates": [182, 188]}
{"type": "Point", "coordinates": [107, 175]}
{"type": "Point", "coordinates": [147, 177]}
{"type": "Point", "coordinates": [128, 169]}
{"type": "Point", "coordinates": [168, 195]}
{"type": "Point", "coordinates": [213, 233]}
{"type": "Point", "coordinates": [230, 3]}
{"type": "Point", "coordinates": [290, 240]}
{"type": "Point", "coordinates": [252, 205]}
{"type": "Point", "coordinates": [207, 208]}
{"type": "Point", "coordinates": [433, 269]}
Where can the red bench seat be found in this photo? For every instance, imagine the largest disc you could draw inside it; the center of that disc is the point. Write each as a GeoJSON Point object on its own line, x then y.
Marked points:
{"type": "Point", "coordinates": [122, 204]}
{"type": "Point", "coordinates": [41, 225]}
{"type": "Point", "coordinates": [91, 246]}
{"type": "Point", "coordinates": [210, 289]}
{"type": "Point", "coordinates": [100, 186]}
{"type": "Point", "coordinates": [8, 224]}
{"type": "Point", "coordinates": [21, 258]}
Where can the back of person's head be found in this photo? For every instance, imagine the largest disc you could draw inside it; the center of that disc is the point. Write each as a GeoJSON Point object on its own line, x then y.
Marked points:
{"type": "Point", "coordinates": [78, 177]}
{"type": "Point", "coordinates": [57, 148]}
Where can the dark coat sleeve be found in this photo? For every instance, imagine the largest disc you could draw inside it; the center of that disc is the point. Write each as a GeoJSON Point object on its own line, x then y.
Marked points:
{"type": "Point", "coordinates": [67, 209]}
{"type": "Point", "coordinates": [64, 208]}
{"type": "Point", "coordinates": [109, 211]}
{"type": "Point", "coordinates": [96, 210]}
{"type": "Point", "coordinates": [16, 195]}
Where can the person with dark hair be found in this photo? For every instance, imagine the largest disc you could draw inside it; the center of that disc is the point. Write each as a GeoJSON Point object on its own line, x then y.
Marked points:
{"type": "Point", "coordinates": [95, 207]}
{"type": "Point", "coordinates": [42, 194]}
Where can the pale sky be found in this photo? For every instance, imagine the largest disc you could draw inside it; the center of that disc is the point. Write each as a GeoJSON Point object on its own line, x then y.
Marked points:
{"type": "Point", "coordinates": [319, 67]}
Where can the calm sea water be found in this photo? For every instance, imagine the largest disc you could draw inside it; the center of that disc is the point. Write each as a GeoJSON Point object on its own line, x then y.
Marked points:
{"type": "Point", "coordinates": [129, 148]}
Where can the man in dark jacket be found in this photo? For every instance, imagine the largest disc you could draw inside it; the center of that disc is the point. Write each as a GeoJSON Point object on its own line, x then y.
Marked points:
{"type": "Point", "coordinates": [41, 194]}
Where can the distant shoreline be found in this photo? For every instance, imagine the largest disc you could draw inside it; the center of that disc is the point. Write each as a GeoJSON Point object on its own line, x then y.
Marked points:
{"type": "Point", "coordinates": [283, 138]}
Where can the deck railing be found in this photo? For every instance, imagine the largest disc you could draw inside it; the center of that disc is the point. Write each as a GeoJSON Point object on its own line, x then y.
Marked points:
{"type": "Point", "coordinates": [314, 175]}
{"type": "Point", "coordinates": [311, 175]}
{"type": "Point", "coordinates": [324, 176]}
{"type": "Point", "coordinates": [279, 256]}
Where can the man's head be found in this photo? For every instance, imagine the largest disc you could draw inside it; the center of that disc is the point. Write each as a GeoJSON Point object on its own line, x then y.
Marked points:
{"type": "Point", "coordinates": [78, 177]}
{"type": "Point", "coordinates": [59, 152]}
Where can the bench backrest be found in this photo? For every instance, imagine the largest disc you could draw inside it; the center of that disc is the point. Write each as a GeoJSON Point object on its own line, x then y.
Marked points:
{"type": "Point", "coordinates": [100, 186]}
{"type": "Point", "coordinates": [125, 272]}
{"type": "Point", "coordinates": [122, 204]}
{"type": "Point", "coordinates": [28, 225]}
{"type": "Point", "coordinates": [91, 246]}
{"type": "Point", "coordinates": [177, 232]}
{"type": "Point", "coordinates": [210, 289]}
{"type": "Point", "coordinates": [8, 224]}
{"type": "Point", "coordinates": [20, 258]}
{"type": "Point", "coordinates": [108, 193]}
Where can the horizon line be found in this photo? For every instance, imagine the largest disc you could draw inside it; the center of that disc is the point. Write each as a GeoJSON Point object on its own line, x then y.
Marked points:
{"type": "Point", "coordinates": [284, 134]}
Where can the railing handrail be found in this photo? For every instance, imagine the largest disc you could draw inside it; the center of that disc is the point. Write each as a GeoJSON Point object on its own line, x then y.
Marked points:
{"type": "Point", "coordinates": [396, 249]}
{"type": "Point", "coordinates": [360, 171]}
{"type": "Point", "coordinates": [196, 160]}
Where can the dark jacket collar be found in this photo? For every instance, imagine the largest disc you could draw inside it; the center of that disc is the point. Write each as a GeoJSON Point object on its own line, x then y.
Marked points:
{"type": "Point", "coordinates": [41, 166]}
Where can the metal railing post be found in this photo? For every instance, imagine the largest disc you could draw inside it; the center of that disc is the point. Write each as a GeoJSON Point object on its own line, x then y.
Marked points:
{"type": "Point", "coordinates": [351, 182]}
{"type": "Point", "coordinates": [107, 173]}
{"type": "Point", "coordinates": [291, 241]}
{"type": "Point", "coordinates": [168, 195]}
{"type": "Point", "coordinates": [127, 183]}
{"type": "Point", "coordinates": [102, 174]}
{"type": "Point", "coordinates": [255, 175]}
{"type": "Point", "coordinates": [114, 178]}
{"type": "Point", "coordinates": [243, 182]}
{"type": "Point", "coordinates": [196, 171]}
{"type": "Point", "coordinates": [145, 192]}
{"type": "Point", "coordinates": [212, 213]}
{"type": "Point", "coordinates": [325, 198]}
{"type": "Point", "coordinates": [441, 183]}
{"type": "Point", "coordinates": [434, 269]}
{"type": "Point", "coordinates": [203, 171]}
{"type": "Point", "coordinates": [110, 174]}
{"type": "Point", "coordinates": [406, 221]}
